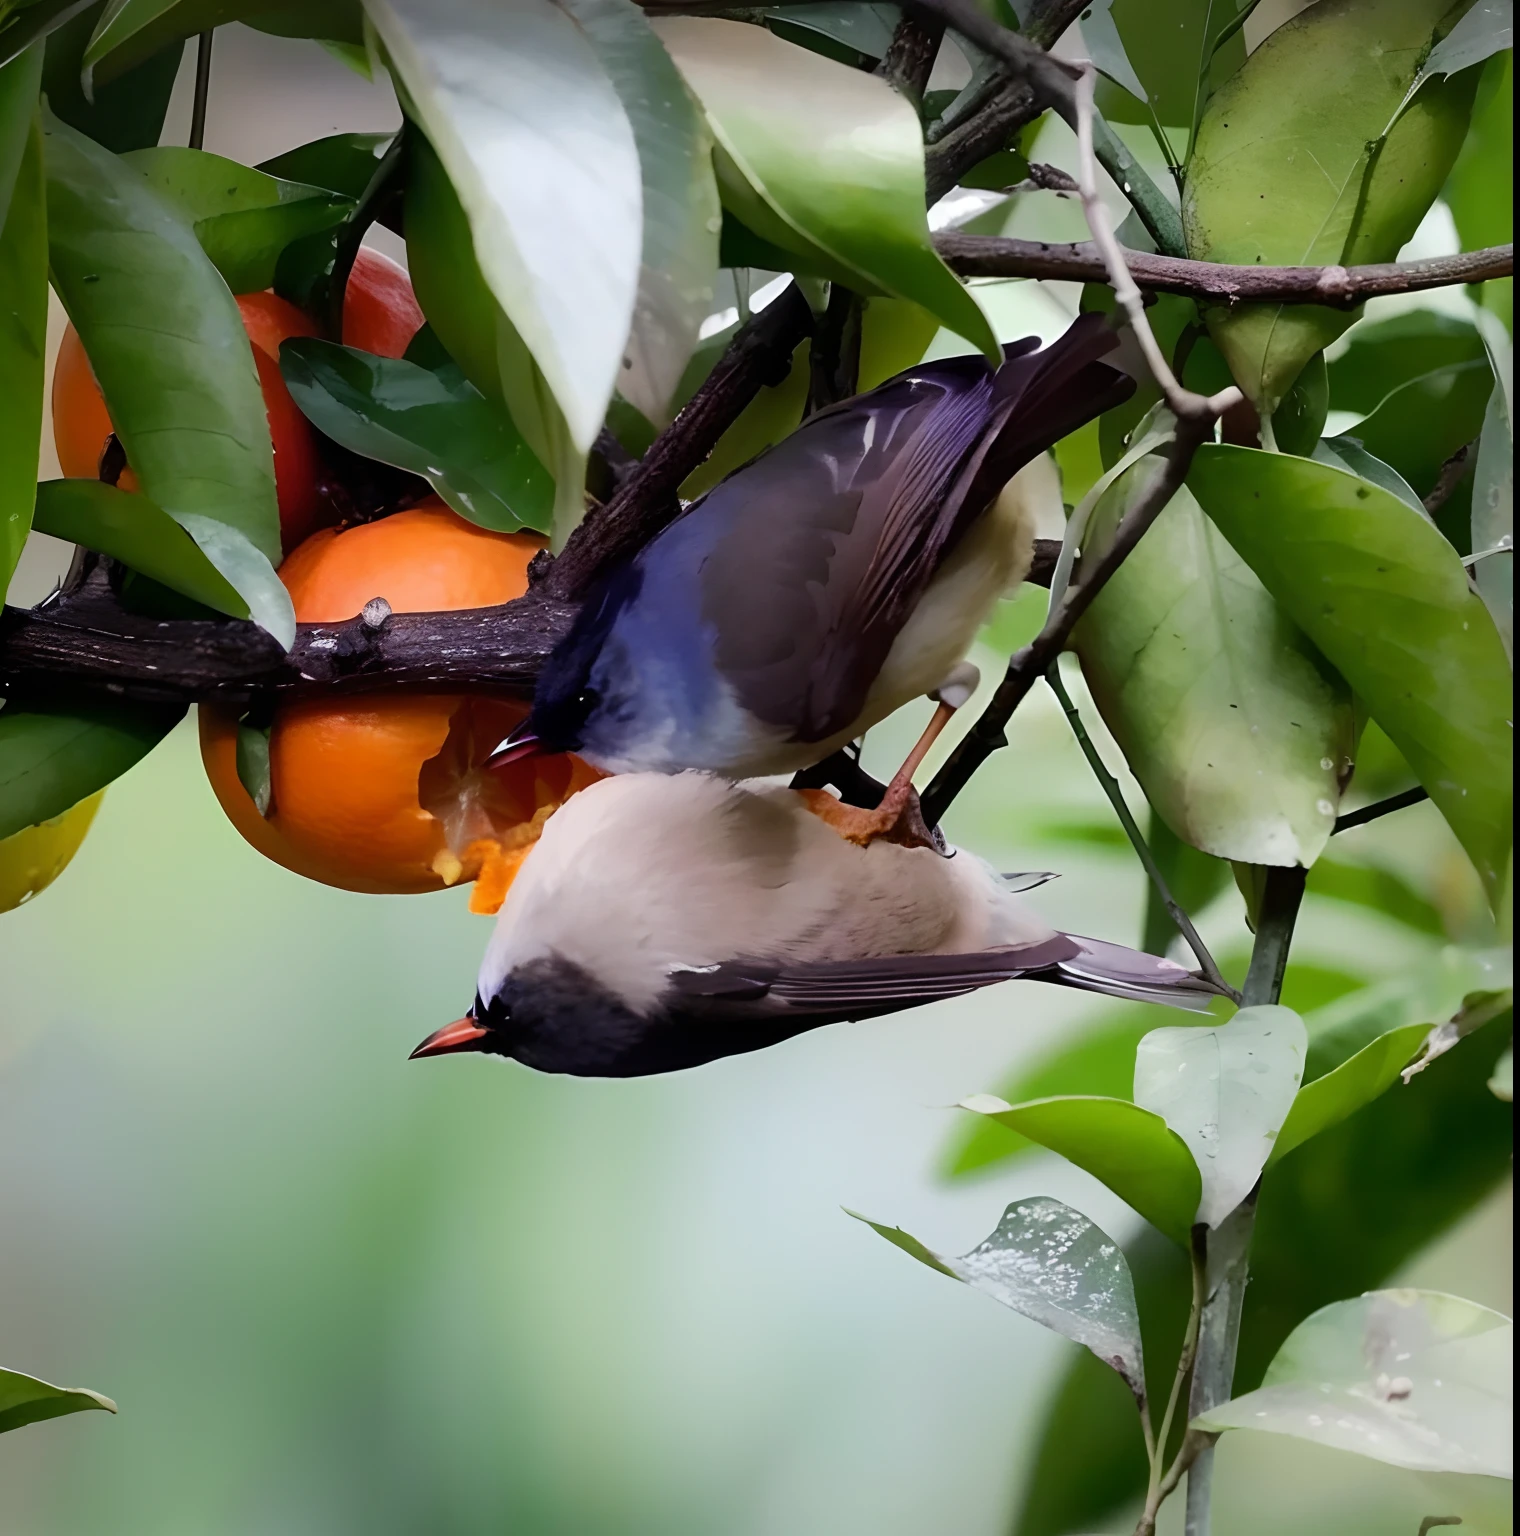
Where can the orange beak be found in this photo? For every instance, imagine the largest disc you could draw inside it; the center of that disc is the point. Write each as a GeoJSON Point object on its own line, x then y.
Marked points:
{"type": "Point", "coordinates": [462, 1035]}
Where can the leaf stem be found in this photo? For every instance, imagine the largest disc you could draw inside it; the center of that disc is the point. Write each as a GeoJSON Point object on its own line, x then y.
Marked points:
{"type": "Point", "coordinates": [1115, 793]}
{"type": "Point", "coordinates": [202, 90]}
{"type": "Point", "coordinates": [1229, 1245]}
{"type": "Point", "coordinates": [1378, 808]}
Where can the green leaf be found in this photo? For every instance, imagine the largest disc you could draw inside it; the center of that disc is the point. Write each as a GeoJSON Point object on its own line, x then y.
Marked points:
{"type": "Point", "coordinates": [1385, 598]}
{"type": "Point", "coordinates": [130, 528]}
{"type": "Point", "coordinates": [435, 424]}
{"type": "Point", "coordinates": [539, 150]}
{"type": "Point", "coordinates": [681, 212]}
{"type": "Point", "coordinates": [863, 30]}
{"type": "Point", "coordinates": [1236, 728]}
{"type": "Point", "coordinates": [342, 162]}
{"type": "Point", "coordinates": [167, 345]}
{"type": "Point", "coordinates": [1425, 993]}
{"type": "Point", "coordinates": [1345, 1089]}
{"type": "Point", "coordinates": [1381, 355]}
{"type": "Point", "coordinates": [1493, 499]}
{"type": "Point", "coordinates": [823, 161]}
{"type": "Point", "coordinates": [1413, 1378]}
{"type": "Point", "coordinates": [1130, 1149]}
{"type": "Point", "coordinates": [1362, 1199]}
{"type": "Point", "coordinates": [1481, 188]}
{"type": "Point", "coordinates": [50, 759]}
{"type": "Point", "coordinates": [23, 26]}
{"type": "Point", "coordinates": [1050, 1263]}
{"type": "Point", "coordinates": [1365, 885]}
{"type": "Point", "coordinates": [1486, 29]}
{"type": "Point", "coordinates": [1291, 167]}
{"type": "Point", "coordinates": [243, 218]}
{"type": "Point", "coordinates": [1176, 51]}
{"type": "Point", "coordinates": [1347, 453]}
{"type": "Point", "coordinates": [1225, 1092]}
{"type": "Point", "coordinates": [1502, 1083]}
{"type": "Point", "coordinates": [25, 1400]}
{"type": "Point", "coordinates": [23, 310]}
{"type": "Point", "coordinates": [132, 30]}
{"type": "Point", "coordinates": [1419, 425]}
{"type": "Point", "coordinates": [126, 114]}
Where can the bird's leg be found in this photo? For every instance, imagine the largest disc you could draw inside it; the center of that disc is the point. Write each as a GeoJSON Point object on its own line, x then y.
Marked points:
{"type": "Point", "coordinates": [898, 818]}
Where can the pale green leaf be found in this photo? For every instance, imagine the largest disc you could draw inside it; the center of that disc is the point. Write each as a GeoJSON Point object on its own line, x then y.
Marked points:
{"type": "Point", "coordinates": [26, 1400]}
{"type": "Point", "coordinates": [543, 160]}
{"type": "Point", "coordinates": [1416, 1379]}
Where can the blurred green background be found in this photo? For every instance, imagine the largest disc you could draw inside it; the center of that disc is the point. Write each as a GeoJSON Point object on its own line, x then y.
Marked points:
{"type": "Point", "coordinates": [334, 1291]}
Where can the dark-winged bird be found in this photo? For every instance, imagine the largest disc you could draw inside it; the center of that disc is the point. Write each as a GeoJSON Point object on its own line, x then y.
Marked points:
{"type": "Point", "coordinates": [664, 921]}
{"type": "Point", "coordinates": [826, 583]}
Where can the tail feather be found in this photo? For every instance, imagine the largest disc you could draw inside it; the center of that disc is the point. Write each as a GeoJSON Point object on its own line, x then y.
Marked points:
{"type": "Point", "coordinates": [1115, 971]}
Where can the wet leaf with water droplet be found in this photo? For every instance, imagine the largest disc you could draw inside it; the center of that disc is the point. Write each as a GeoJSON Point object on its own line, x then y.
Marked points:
{"type": "Point", "coordinates": [1052, 1264]}
{"type": "Point", "coordinates": [1226, 1093]}
{"type": "Point", "coordinates": [1417, 1379]}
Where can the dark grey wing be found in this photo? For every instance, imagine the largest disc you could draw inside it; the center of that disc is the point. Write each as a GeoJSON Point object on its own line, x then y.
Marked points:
{"type": "Point", "coordinates": [833, 991]}
{"type": "Point", "coordinates": [826, 543]}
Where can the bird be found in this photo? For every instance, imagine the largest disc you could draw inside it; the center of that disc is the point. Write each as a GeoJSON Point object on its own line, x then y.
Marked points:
{"type": "Point", "coordinates": [664, 921]}
{"type": "Point", "coordinates": [836, 577]}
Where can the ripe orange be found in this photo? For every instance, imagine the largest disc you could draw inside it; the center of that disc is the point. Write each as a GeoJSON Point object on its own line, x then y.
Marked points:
{"type": "Point", "coordinates": [388, 793]}
{"type": "Point", "coordinates": [380, 314]}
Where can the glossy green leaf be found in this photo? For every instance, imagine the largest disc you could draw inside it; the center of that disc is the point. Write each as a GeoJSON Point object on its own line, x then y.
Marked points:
{"type": "Point", "coordinates": [435, 424]}
{"type": "Point", "coordinates": [23, 26]}
{"type": "Point", "coordinates": [1486, 28]}
{"type": "Point", "coordinates": [130, 528]}
{"type": "Point", "coordinates": [1176, 53]}
{"type": "Point", "coordinates": [167, 345]}
{"type": "Point", "coordinates": [25, 1400]}
{"type": "Point", "coordinates": [1050, 1263]}
{"type": "Point", "coordinates": [51, 759]}
{"type": "Point", "coordinates": [1128, 1148]}
{"type": "Point", "coordinates": [1225, 1092]}
{"type": "Point", "coordinates": [1291, 167]}
{"type": "Point", "coordinates": [1236, 728]}
{"type": "Point", "coordinates": [541, 155]}
{"type": "Point", "coordinates": [128, 113]}
{"type": "Point", "coordinates": [1493, 497]}
{"type": "Point", "coordinates": [681, 213]}
{"type": "Point", "coordinates": [823, 161]}
{"type": "Point", "coordinates": [1502, 1083]}
{"type": "Point", "coordinates": [243, 218]}
{"type": "Point", "coordinates": [23, 309]}
{"type": "Point", "coordinates": [341, 162]}
{"type": "Point", "coordinates": [1418, 426]}
{"type": "Point", "coordinates": [1362, 1199]}
{"type": "Point", "coordinates": [133, 30]}
{"type": "Point", "coordinates": [1381, 355]}
{"type": "Point", "coordinates": [1345, 1089]}
{"type": "Point", "coordinates": [1347, 453]}
{"type": "Point", "coordinates": [1386, 599]}
{"type": "Point", "coordinates": [865, 30]}
{"type": "Point", "coordinates": [1481, 188]}
{"type": "Point", "coordinates": [1413, 1378]}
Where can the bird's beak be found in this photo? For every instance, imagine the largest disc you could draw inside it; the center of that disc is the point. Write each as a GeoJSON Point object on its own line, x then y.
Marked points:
{"type": "Point", "coordinates": [520, 744]}
{"type": "Point", "coordinates": [462, 1035]}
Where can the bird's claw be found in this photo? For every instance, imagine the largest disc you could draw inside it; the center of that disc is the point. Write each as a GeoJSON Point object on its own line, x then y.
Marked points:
{"type": "Point", "coordinates": [898, 819]}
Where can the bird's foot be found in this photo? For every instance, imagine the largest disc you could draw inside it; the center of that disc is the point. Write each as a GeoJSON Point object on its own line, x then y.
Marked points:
{"type": "Point", "coordinates": [898, 819]}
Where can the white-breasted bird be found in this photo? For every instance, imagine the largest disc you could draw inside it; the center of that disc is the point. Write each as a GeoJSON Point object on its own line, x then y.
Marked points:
{"type": "Point", "coordinates": [664, 921]}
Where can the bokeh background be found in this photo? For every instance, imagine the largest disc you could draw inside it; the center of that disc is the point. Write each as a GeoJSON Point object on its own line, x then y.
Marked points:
{"type": "Point", "coordinates": [334, 1291]}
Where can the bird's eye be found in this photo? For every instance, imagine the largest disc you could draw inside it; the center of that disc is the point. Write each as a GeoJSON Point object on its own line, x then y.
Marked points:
{"type": "Point", "coordinates": [587, 700]}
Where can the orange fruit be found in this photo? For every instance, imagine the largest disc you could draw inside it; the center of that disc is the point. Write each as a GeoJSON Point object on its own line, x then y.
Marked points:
{"type": "Point", "coordinates": [380, 314]}
{"type": "Point", "coordinates": [388, 793]}
{"type": "Point", "coordinates": [380, 311]}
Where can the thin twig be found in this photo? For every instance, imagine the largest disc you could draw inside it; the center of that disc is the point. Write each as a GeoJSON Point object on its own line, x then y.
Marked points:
{"type": "Point", "coordinates": [202, 91]}
{"type": "Point", "coordinates": [1183, 403]}
{"type": "Point", "coordinates": [1378, 808]}
{"type": "Point", "coordinates": [1215, 282]}
{"type": "Point", "coordinates": [1115, 793]}
{"type": "Point", "coordinates": [1053, 82]}
{"type": "Point", "coordinates": [384, 184]}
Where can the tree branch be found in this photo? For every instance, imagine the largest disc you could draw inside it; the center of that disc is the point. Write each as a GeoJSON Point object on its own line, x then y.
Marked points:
{"type": "Point", "coordinates": [1210, 282]}
{"type": "Point", "coordinates": [1378, 809]}
{"type": "Point", "coordinates": [910, 57]}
